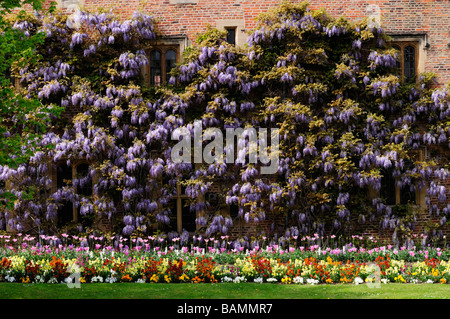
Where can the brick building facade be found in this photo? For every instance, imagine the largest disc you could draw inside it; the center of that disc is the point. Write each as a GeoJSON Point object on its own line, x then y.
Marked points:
{"type": "Point", "coordinates": [426, 22]}
{"type": "Point", "coordinates": [420, 29]}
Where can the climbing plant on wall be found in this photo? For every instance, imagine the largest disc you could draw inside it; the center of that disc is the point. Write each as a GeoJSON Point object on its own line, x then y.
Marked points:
{"type": "Point", "coordinates": [329, 86]}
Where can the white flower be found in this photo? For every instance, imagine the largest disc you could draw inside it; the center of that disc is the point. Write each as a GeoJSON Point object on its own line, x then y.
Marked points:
{"type": "Point", "coordinates": [238, 279]}
{"type": "Point", "coordinates": [384, 280]}
{"type": "Point", "coordinates": [429, 281]}
{"type": "Point", "coordinates": [358, 280]}
{"type": "Point", "coordinates": [298, 280]}
{"type": "Point", "coordinates": [10, 278]}
{"type": "Point", "coordinates": [111, 280]}
{"type": "Point", "coordinates": [227, 279]}
{"type": "Point", "coordinates": [312, 281]}
{"type": "Point", "coordinates": [140, 281]}
{"type": "Point", "coordinates": [39, 279]}
{"type": "Point", "coordinates": [259, 280]}
{"type": "Point", "coordinates": [97, 279]}
{"type": "Point", "coordinates": [272, 280]}
{"type": "Point", "coordinates": [52, 280]}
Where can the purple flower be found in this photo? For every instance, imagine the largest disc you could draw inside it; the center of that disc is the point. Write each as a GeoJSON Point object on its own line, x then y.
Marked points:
{"type": "Point", "coordinates": [128, 220]}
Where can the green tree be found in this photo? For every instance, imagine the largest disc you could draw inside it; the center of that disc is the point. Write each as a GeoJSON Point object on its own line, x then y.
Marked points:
{"type": "Point", "coordinates": [22, 119]}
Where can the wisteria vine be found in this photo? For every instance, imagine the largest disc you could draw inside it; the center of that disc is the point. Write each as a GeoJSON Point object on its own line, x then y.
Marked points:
{"type": "Point", "coordinates": [346, 122]}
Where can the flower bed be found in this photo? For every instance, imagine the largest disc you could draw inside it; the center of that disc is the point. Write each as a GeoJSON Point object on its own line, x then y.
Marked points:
{"type": "Point", "coordinates": [29, 261]}
{"type": "Point", "coordinates": [252, 268]}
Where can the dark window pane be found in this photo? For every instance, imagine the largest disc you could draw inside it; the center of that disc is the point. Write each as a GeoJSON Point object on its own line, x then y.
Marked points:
{"type": "Point", "coordinates": [63, 175]}
{"type": "Point", "coordinates": [171, 59]}
{"type": "Point", "coordinates": [398, 58]}
{"type": "Point", "coordinates": [65, 213]}
{"type": "Point", "coordinates": [183, 189]}
{"type": "Point", "coordinates": [231, 35]}
{"type": "Point", "coordinates": [172, 226]}
{"type": "Point", "coordinates": [234, 210]}
{"type": "Point", "coordinates": [407, 195]}
{"type": "Point", "coordinates": [388, 188]}
{"type": "Point", "coordinates": [409, 59]}
{"type": "Point", "coordinates": [155, 68]}
{"type": "Point", "coordinates": [213, 201]}
{"type": "Point", "coordinates": [188, 216]}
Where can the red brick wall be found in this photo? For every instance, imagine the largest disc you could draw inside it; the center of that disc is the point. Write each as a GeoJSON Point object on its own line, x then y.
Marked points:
{"type": "Point", "coordinates": [399, 17]}
{"type": "Point", "coordinates": [405, 17]}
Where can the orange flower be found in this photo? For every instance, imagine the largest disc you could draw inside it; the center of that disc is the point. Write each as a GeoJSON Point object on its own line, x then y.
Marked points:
{"type": "Point", "coordinates": [344, 279]}
{"type": "Point", "coordinates": [197, 279]}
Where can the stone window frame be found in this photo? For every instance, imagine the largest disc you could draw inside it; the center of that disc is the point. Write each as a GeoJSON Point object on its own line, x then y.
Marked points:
{"type": "Point", "coordinates": [238, 25]}
{"type": "Point", "coordinates": [420, 154]}
{"type": "Point", "coordinates": [420, 44]}
{"type": "Point", "coordinates": [71, 5]}
{"type": "Point", "coordinates": [180, 195]}
{"type": "Point", "coordinates": [74, 167]}
{"type": "Point", "coordinates": [177, 216]}
{"type": "Point", "coordinates": [177, 43]}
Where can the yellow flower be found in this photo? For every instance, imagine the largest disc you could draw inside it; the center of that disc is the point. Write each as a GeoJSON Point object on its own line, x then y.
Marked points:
{"type": "Point", "coordinates": [167, 278]}
{"type": "Point", "coordinates": [183, 277]}
{"type": "Point", "coordinates": [443, 281]}
{"type": "Point", "coordinates": [154, 278]}
{"type": "Point", "coordinates": [287, 280]}
{"type": "Point", "coordinates": [25, 280]}
{"type": "Point", "coordinates": [400, 278]}
{"type": "Point", "coordinates": [82, 280]}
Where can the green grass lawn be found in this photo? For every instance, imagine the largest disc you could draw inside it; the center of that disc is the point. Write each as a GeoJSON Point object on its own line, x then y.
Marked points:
{"type": "Point", "coordinates": [222, 291]}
